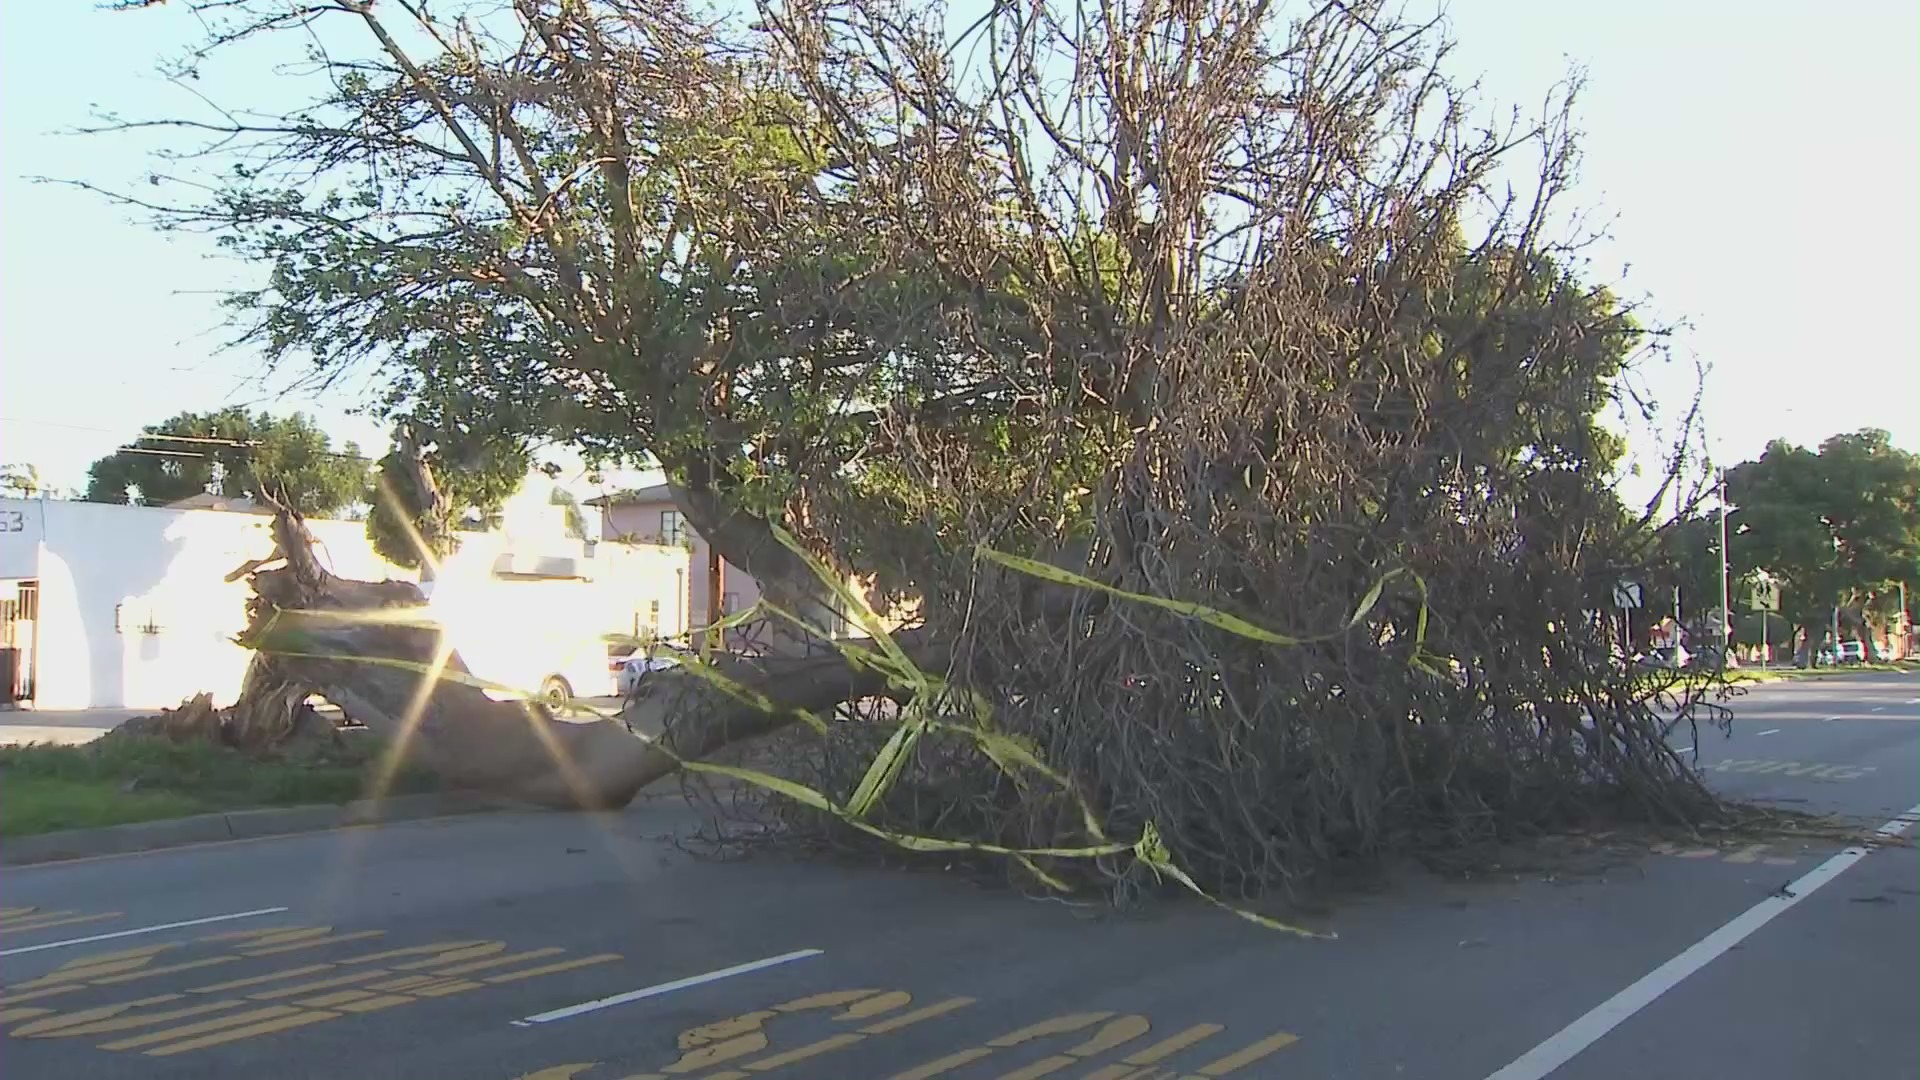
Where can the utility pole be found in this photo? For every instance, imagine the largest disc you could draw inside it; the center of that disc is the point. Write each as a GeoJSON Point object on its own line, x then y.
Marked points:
{"type": "Point", "coordinates": [1906, 624]}
{"type": "Point", "coordinates": [1726, 588]}
{"type": "Point", "coordinates": [716, 583]}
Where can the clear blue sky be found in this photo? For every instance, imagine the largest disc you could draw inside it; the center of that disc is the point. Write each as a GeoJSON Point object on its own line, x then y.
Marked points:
{"type": "Point", "coordinates": [1759, 164]}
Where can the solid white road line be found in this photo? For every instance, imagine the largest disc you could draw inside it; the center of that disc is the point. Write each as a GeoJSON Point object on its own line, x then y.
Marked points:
{"type": "Point", "coordinates": [667, 987]}
{"type": "Point", "coordinates": [1769, 731]}
{"type": "Point", "coordinates": [142, 930]}
{"type": "Point", "coordinates": [1542, 1060]}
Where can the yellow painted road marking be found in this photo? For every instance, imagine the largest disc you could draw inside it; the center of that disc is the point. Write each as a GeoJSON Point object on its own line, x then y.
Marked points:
{"type": "Point", "coordinates": [256, 980]}
{"type": "Point", "coordinates": [237, 1020]}
{"type": "Point", "coordinates": [65, 1028]}
{"type": "Point", "coordinates": [52, 919]}
{"type": "Point", "coordinates": [145, 973]}
{"type": "Point", "coordinates": [551, 969]}
{"type": "Point", "coordinates": [286, 935]}
{"type": "Point", "coordinates": [318, 984]}
{"type": "Point", "coordinates": [727, 1040]}
{"type": "Point", "coordinates": [801, 1053]}
{"type": "Point", "coordinates": [249, 1031]}
{"type": "Point", "coordinates": [943, 1065]}
{"type": "Point", "coordinates": [322, 991]}
{"type": "Point", "coordinates": [914, 1017]}
{"type": "Point", "coordinates": [722, 1042]}
{"type": "Point", "coordinates": [482, 965]}
{"type": "Point", "coordinates": [314, 943]}
{"type": "Point", "coordinates": [442, 989]}
{"type": "Point", "coordinates": [85, 1015]}
{"type": "Point", "coordinates": [465, 952]}
{"type": "Point", "coordinates": [1172, 1044]}
{"type": "Point", "coordinates": [1265, 1048]}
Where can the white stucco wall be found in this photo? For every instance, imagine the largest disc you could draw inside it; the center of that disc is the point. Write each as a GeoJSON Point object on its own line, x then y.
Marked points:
{"type": "Point", "coordinates": [133, 609]}
{"type": "Point", "coordinates": [161, 573]}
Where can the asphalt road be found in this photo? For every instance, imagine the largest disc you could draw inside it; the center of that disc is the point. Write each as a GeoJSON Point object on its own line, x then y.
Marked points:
{"type": "Point", "coordinates": [563, 947]}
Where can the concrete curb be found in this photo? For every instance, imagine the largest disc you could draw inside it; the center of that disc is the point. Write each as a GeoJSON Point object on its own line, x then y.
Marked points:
{"type": "Point", "coordinates": [237, 825]}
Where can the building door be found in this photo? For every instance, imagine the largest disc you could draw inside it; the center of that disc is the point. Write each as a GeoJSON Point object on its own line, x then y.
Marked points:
{"type": "Point", "coordinates": [19, 622]}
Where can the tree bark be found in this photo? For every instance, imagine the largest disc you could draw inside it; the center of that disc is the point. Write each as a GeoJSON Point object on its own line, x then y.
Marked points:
{"type": "Point", "coordinates": [368, 648]}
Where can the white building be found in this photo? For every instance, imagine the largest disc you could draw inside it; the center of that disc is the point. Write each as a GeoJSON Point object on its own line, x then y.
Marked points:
{"type": "Point", "coordinates": [109, 606]}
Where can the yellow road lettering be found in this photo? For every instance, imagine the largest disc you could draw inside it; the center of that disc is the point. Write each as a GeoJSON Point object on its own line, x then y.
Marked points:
{"type": "Point", "coordinates": [319, 984]}
{"type": "Point", "coordinates": [1265, 1048]}
{"type": "Point", "coordinates": [801, 1053]}
{"type": "Point", "coordinates": [52, 919]}
{"type": "Point", "coordinates": [916, 1016]}
{"type": "Point", "coordinates": [941, 1066]}
{"type": "Point", "coordinates": [449, 986]}
{"type": "Point", "coordinates": [287, 935]}
{"type": "Point", "coordinates": [85, 1015]}
{"type": "Point", "coordinates": [737, 1037]}
{"type": "Point", "coordinates": [314, 943]}
{"type": "Point", "coordinates": [552, 969]}
{"type": "Point", "coordinates": [245, 1031]}
{"type": "Point", "coordinates": [256, 980]}
{"type": "Point", "coordinates": [147, 973]}
{"type": "Point", "coordinates": [828, 1000]}
{"type": "Point", "coordinates": [464, 952]}
{"type": "Point", "coordinates": [498, 961]}
{"type": "Point", "coordinates": [1172, 1045]}
{"type": "Point", "coordinates": [225, 1023]}
{"type": "Point", "coordinates": [77, 971]}
{"type": "Point", "coordinates": [68, 1029]}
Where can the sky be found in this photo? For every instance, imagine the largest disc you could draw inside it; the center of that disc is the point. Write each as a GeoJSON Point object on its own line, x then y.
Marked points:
{"type": "Point", "coordinates": [1756, 165]}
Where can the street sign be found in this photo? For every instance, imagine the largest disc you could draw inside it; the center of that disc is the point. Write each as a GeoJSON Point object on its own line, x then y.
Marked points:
{"type": "Point", "coordinates": [1626, 594]}
{"type": "Point", "coordinates": [1766, 594]}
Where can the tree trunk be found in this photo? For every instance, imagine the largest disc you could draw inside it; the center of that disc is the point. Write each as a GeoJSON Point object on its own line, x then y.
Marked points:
{"type": "Point", "coordinates": [367, 647]}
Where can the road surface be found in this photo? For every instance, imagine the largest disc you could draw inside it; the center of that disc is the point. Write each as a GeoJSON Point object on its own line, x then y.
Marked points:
{"type": "Point", "coordinates": [560, 947]}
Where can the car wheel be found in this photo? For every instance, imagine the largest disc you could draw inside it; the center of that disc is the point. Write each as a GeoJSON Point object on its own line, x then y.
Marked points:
{"type": "Point", "coordinates": [555, 692]}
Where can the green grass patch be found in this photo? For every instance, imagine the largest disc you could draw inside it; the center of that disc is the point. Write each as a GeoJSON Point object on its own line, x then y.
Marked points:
{"type": "Point", "coordinates": [117, 781]}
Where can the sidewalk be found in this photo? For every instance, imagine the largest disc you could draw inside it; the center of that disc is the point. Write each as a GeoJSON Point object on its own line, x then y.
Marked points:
{"type": "Point", "coordinates": [66, 727]}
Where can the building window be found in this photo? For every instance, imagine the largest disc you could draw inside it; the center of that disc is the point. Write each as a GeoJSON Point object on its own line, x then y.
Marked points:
{"type": "Point", "coordinates": [653, 616]}
{"type": "Point", "coordinates": [729, 603]}
{"type": "Point", "coordinates": [673, 528]}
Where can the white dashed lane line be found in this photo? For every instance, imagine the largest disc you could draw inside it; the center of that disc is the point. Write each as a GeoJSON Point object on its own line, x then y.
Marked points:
{"type": "Point", "coordinates": [1769, 731]}
{"type": "Point", "coordinates": [91, 938]}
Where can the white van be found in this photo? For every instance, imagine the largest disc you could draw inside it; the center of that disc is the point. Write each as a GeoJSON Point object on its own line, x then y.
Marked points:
{"type": "Point", "coordinates": [529, 635]}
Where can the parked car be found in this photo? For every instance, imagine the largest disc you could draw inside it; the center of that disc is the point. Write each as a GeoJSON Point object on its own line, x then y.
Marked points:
{"type": "Point", "coordinates": [1666, 658]}
{"type": "Point", "coordinates": [634, 670]}
{"type": "Point", "coordinates": [1853, 652]}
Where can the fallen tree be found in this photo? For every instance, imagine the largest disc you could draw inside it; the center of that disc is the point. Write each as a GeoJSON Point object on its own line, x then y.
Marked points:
{"type": "Point", "coordinates": [1206, 374]}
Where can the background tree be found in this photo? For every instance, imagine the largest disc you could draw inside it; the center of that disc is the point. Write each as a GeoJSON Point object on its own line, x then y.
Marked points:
{"type": "Point", "coordinates": [1840, 527]}
{"type": "Point", "coordinates": [20, 480]}
{"type": "Point", "coordinates": [1202, 323]}
{"type": "Point", "coordinates": [236, 454]}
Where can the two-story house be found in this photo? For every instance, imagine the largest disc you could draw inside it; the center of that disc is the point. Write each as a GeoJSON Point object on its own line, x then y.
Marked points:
{"type": "Point", "coordinates": [648, 516]}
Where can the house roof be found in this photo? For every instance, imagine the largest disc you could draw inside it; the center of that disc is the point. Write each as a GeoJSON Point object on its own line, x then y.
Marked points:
{"type": "Point", "coordinates": [657, 493]}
